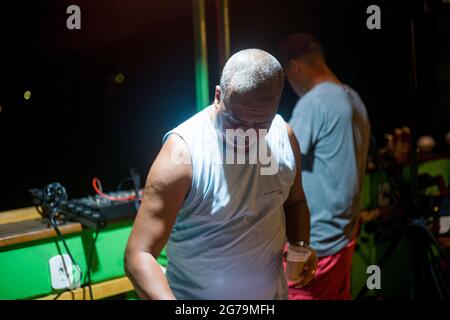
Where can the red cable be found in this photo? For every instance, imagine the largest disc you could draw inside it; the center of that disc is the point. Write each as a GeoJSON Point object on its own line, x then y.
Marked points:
{"type": "Point", "coordinates": [98, 189]}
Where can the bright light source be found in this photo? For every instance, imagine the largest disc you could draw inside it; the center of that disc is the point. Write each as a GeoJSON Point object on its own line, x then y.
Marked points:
{"type": "Point", "coordinates": [27, 95]}
{"type": "Point", "coordinates": [119, 78]}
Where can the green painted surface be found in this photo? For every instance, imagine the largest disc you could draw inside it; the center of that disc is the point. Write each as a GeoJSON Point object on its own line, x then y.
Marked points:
{"type": "Point", "coordinates": [376, 236]}
{"type": "Point", "coordinates": [376, 190]}
{"type": "Point", "coordinates": [373, 242]}
{"type": "Point", "coordinates": [435, 168]}
{"type": "Point", "coordinates": [25, 272]}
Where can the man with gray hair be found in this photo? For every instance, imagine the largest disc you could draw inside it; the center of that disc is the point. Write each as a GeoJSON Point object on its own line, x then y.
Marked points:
{"type": "Point", "coordinates": [225, 224]}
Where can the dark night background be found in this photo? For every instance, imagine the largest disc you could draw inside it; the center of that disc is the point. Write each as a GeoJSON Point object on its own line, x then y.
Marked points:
{"type": "Point", "coordinates": [79, 123]}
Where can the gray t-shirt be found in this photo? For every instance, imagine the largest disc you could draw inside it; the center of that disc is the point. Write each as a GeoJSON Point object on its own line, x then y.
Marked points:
{"type": "Point", "coordinates": [332, 127]}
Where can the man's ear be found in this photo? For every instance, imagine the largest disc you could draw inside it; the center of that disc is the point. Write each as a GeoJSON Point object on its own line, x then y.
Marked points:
{"type": "Point", "coordinates": [217, 95]}
{"type": "Point", "coordinates": [294, 65]}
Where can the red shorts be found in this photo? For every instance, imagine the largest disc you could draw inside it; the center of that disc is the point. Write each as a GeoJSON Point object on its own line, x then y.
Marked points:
{"type": "Point", "coordinates": [332, 278]}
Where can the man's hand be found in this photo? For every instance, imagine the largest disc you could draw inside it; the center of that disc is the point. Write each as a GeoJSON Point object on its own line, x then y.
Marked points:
{"type": "Point", "coordinates": [309, 270]}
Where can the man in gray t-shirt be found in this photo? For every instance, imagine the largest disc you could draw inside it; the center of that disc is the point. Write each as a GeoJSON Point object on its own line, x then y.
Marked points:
{"type": "Point", "coordinates": [331, 124]}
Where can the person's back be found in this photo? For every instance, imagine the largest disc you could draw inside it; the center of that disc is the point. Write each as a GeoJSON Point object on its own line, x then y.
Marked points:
{"type": "Point", "coordinates": [331, 124]}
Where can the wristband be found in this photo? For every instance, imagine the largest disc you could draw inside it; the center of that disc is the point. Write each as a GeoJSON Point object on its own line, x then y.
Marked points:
{"type": "Point", "coordinates": [297, 253]}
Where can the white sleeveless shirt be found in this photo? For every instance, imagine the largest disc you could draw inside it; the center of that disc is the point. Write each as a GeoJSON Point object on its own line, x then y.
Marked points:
{"type": "Point", "coordinates": [228, 237]}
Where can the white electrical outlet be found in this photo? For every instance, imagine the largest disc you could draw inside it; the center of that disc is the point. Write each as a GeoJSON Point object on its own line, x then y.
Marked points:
{"type": "Point", "coordinates": [444, 224]}
{"type": "Point", "coordinates": [62, 272]}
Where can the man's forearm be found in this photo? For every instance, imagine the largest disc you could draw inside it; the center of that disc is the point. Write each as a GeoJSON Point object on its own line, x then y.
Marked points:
{"type": "Point", "coordinates": [297, 222]}
{"type": "Point", "coordinates": [147, 277]}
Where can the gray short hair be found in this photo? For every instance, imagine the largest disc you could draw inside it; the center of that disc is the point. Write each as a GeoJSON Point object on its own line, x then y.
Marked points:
{"type": "Point", "coordinates": [254, 73]}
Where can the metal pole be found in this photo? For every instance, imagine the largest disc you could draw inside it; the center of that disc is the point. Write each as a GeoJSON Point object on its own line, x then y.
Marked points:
{"type": "Point", "coordinates": [223, 32]}
{"type": "Point", "coordinates": [201, 55]}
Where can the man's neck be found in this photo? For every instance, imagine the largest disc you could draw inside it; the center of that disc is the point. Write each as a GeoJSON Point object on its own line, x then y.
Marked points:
{"type": "Point", "coordinates": [324, 76]}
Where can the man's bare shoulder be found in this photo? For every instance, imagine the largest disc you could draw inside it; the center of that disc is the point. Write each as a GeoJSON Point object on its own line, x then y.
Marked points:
{"type": "Point", "coordinates": [173, 163]}
{"type": "Point", "coordinates": [175, 143]}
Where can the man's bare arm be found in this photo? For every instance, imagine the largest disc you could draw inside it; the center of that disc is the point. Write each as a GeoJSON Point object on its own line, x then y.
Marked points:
{"type": "Point", "coordinates": [296, 208]}
{"type": "Point", "coordinates": [166, 187]}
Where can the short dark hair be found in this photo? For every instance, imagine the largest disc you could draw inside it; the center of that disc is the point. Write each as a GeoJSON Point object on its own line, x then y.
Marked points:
{"type": "Point", "coordinates": [297, 45]}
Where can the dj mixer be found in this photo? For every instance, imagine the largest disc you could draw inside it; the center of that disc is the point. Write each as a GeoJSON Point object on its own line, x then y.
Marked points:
{"type": "Point", "coordinates": [92, 211]}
